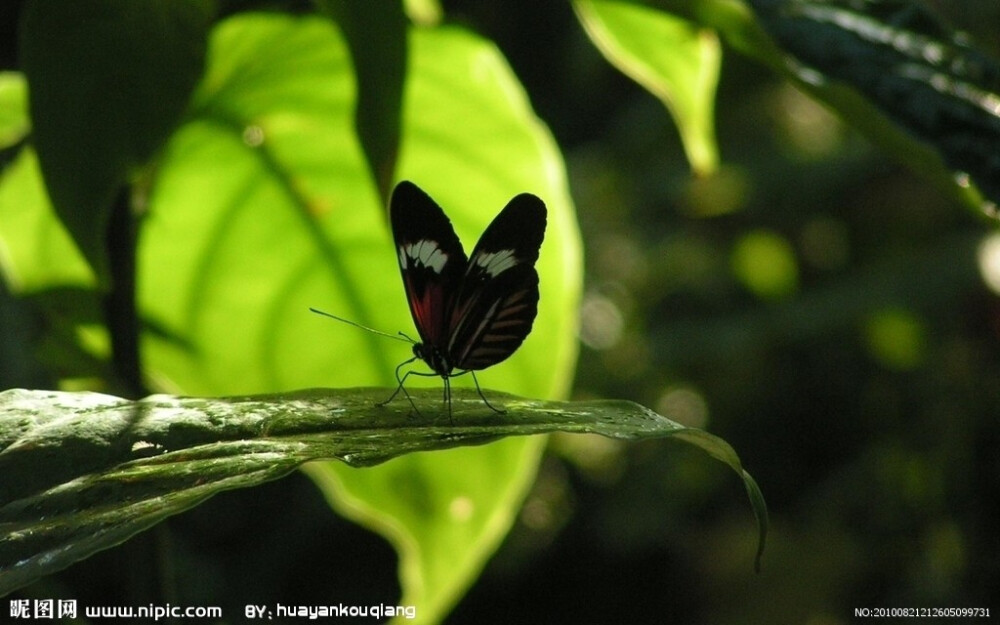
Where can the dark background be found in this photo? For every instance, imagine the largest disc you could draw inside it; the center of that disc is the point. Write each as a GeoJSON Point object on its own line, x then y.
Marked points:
{"type": "Point", "coordinates": [878, 460]}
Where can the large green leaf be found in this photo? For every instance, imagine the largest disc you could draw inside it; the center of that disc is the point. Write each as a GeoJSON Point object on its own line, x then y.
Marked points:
{"type": "Point", "coordinates": [263, 206]}
{"type": "Point", "coordinates": [108, 81]}
{"type": "Point", "coordinates": [81, 472]}
{"type": "Point", "coordinates": [672, 58]}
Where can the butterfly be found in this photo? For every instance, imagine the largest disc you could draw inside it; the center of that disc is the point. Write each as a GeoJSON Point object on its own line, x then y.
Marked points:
{"type": "Point", "coordinates": [471, 312]}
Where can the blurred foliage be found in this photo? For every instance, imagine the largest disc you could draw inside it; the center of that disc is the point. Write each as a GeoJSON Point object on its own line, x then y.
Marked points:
{"type": "Point", "coordinates": [857, 377]}
{"type": "Point", "coordinates": [867, 394]}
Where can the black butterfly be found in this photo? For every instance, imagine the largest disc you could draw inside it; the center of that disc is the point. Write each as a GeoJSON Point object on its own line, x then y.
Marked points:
{"type": "Point", "coordinates": [471, 312]}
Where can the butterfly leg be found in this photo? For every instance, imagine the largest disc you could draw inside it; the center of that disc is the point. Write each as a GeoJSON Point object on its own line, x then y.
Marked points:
{"type": "Point", "coordinates": [401, 387]}
{"type": "Point", "coordinates": [447, 398]}
{"type": "Point", "coordinates": [485, 401]}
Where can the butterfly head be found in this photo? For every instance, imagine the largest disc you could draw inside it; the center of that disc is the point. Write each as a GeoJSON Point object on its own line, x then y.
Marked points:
{"type": "Point", "coordinates": [435, 358]}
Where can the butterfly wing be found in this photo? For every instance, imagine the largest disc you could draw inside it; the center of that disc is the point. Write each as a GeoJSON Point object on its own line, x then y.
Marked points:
{"type": "Point", "coordinates": [498, 300]}
{"type": "Point", "coordinates": [431, 260]}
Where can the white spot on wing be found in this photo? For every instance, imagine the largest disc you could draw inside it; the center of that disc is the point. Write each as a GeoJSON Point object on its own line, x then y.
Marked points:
{"type": "Point", "coordinates": [495, 263]}
{"type": "Point", "coordinates": [423, 253]}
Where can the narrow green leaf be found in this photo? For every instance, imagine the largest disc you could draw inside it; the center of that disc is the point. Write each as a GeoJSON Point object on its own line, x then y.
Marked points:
{"type": "Point", "coordinates": [672, 58]}
{"type": "Point", "coordinates": [108, 81]}
{"type": "Point", "coordinates": [375, 32]}
{"type": "Point", "coordinates": [81, 472]}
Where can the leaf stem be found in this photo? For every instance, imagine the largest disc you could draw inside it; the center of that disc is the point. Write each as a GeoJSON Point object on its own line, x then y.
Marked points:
{"type": "Point", "coordinates": [119, 304]}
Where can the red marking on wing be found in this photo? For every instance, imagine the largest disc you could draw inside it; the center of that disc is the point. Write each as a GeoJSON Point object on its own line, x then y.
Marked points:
{"type": "Point", "coordinates": [428, 311]}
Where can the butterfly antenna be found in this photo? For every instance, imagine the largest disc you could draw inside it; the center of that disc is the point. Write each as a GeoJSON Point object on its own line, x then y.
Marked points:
{"type": "Point", "coordinates": [403, 338]}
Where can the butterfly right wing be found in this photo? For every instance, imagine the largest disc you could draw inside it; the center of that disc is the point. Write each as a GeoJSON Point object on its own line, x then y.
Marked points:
{"type": "Point", "coordinates": [431, 260]}
{"type": "Point", "coordinates": [497, 304]}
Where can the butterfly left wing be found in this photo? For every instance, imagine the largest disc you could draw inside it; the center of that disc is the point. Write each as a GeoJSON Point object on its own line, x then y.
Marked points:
{"type": "Point", "coordinates": [498, 301]}
{"type": "Point", "coordinates": [431, 260]}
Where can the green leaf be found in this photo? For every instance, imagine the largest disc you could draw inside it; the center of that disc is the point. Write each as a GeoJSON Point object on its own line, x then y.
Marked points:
{"type": "Point", "coordinates": [263, 206]}
{"type": "Point", "coordinates": [14, 124]}
{"type": "Point", "coordinates": [36, 252]}
{"type": "Point", "coordinates": [108, 81]}
{"type": "Point", "coordinates": [672, 58]}
{"type": "Point", "coordinates": [423, 12]}
{"type": "Point", "coordinates": [80, 472]}
{"type": "Point", "coordinates": [375, 32]}
{"type": "Point", "coordinates": [927, 80]}
{"type": "Point", "coordinates": [444, 513]}
{"type": "Point", "coordinates": [853, 100]}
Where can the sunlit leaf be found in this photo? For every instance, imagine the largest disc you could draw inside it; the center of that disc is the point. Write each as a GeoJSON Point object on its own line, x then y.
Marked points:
{"type": "Point", "coordinates": [672, 58]}
{"type": "Point", "coordinates": [14, 122]}
{"type": "Point", "coordinates": [36, 252]}
{"type": "Point", "coordinates": [262, 206]}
